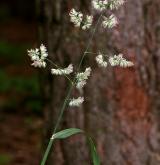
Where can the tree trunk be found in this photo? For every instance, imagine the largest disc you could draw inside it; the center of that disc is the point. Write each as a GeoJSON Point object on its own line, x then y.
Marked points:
{"type": "Point", "coordinates": [122, 105]}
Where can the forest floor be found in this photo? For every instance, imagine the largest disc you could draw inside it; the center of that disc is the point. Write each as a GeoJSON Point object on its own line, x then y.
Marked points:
{"type": "Point", "coordinates": [20, 140]}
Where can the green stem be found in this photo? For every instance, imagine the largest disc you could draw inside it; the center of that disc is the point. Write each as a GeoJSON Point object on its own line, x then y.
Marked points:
{"type": "Point", "coordinates": [63, 108]}
{"type": "Point", "coordinates": [56, 126]}
{"type": "Point", "coordinates": [47, 152]}
{"type": "Point", "coordinates": [68, 96]}
{"type": "Point", "coordinates": [89, 43]}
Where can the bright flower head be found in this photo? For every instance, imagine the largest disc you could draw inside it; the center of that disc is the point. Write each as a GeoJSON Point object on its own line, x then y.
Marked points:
{"type": "Point", "coordinates": [38, 56]}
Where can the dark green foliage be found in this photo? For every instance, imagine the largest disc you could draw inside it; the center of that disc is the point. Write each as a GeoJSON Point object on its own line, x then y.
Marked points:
{"type": "Point", "coordinates": [21, 89]}
{"type": "Point", "coordinates": [5, 159]}
{"type": "Point", "coordinates": [18, 83]}
{"type": "Point", "coordinates": [15, 53]}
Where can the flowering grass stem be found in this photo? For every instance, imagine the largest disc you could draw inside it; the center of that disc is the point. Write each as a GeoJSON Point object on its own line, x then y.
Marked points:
{"type": "Point", "coordinates": [39, 57]}
{"type": "Point", "coordinates": [69, 93]}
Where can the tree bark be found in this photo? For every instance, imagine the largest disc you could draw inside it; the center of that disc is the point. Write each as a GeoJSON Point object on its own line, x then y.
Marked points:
{"type": "Point", "coordinates": [121, 110]}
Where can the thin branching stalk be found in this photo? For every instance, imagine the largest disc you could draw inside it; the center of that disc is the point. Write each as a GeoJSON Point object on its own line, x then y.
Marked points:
{"type": "Point", "coordinates": [90, 41]}
{"type": "Point", "coordinates": [69, 94]}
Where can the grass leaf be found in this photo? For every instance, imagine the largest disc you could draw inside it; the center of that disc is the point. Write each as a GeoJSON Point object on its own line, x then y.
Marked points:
{"type": "Point", "coordinates": [66, 133]}
{"type": "Point", "coordinates": [94, 154]}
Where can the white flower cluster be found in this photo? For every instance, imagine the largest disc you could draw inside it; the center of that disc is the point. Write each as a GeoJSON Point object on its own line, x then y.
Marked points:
{"type": "Point", "coordinates": [76, 102]}
{"type": "Point", "coordinates": [64, 71]}
{"type": "Point", "coordinates": [109, 22]}
{"type": "Point", "coordinates": [115, 4]}
{"type": "Point", "coordinates": [116, 60]}
{"type": "Point", "coordinates": [119, 60]}
{"type": "Point", "coordinates": [77, 19]}
{"type": "Point", "coordinates": [82, 77]}
{"type": "Point", "coordinates": [38, 56]}
{"type": "Point", "coordinates": [88, 22]}
{"type": "Point", "coordinates": [100, 61]}
{"type": "Point", "coordinates": [85, 23]}
{"type": "Point", "coordinates": [100, 5]}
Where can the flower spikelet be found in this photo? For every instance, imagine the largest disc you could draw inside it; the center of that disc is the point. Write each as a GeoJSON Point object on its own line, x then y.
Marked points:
{"type": "Point", "coordinates": [100, 61]}
{"type": "Point", "coordinates": [82, 77]}
{"type": "Point", "coordinates": [110, 22]}
{"type": "Point", "coordinates": [76, 102]}
{"type": "Point", "coordinates": [119, 60]}
{"type": "Point", "coordinates": [88, 22]}
{"type": "Point", "coordinates": [76, 17]}
{"type": "Point", "coordinates": [100, 5]}
{"type": "Point", "coordinates": [115, 4]}
{"type": "Point", "coordinates": [38, 56]}
{"type": "Point", "coordinates": [65, 71]}
{"type": "Point", "coordinates": [43, 52]}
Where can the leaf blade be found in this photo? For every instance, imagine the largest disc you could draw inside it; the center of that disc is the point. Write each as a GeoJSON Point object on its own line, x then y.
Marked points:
{"type": "Point", "coordinates": [66, 133]}
{"type": "Point", "coordinates": [73, 131]}
{"type": "Point", "coordinates": [94, 154]}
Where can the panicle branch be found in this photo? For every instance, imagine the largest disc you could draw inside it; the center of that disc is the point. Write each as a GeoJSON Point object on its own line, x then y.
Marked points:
{"type": "Point", "coordinates": [39, 55]}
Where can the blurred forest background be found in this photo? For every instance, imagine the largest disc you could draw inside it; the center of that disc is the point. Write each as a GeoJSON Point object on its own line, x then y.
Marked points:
{"type": "Point", "coordinates": [20, 101]}
{"type": "Point", "coordinates": [122, 111]}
